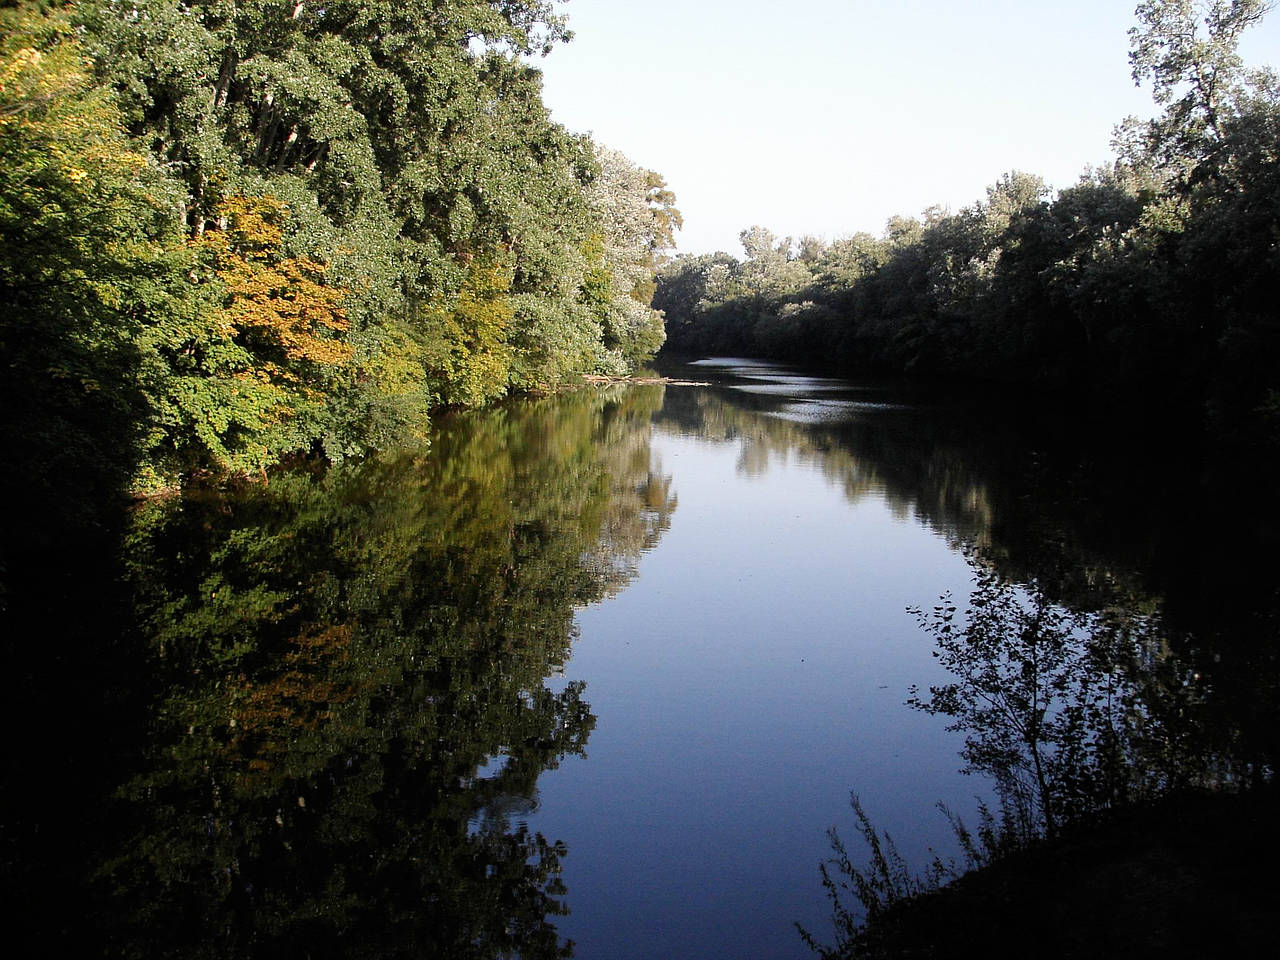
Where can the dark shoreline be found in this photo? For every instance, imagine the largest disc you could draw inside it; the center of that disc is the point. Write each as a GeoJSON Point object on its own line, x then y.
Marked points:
{"type": "Point", "coordinates": [1185, 876]}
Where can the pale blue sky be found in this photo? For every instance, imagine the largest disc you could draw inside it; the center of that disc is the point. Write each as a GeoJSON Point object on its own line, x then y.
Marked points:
{"type": "Point", "coordinates": [829, 116]}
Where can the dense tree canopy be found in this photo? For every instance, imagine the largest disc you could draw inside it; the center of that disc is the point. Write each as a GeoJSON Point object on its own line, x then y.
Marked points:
{"type": "Point", "coordinates": [1145, 279]}
{"type": "Point", "coordinates": [271, 227]}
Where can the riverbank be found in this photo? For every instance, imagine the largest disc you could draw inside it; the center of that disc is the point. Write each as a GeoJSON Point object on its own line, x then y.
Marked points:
{"type": "Point", "coordinates": [1187, 876]}
{"type": "Point", "coordinates": [601, 379]}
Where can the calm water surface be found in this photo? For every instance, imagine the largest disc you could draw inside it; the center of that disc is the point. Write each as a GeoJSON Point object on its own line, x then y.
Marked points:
{"type": "Point", "coordinates": [602, 668]}
{"type": "Point", "coordinates": [752, 675]}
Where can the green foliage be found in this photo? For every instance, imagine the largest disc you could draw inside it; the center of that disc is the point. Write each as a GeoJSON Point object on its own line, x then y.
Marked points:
{"type": "Point", "coordinates": [1073, 716]}
{"type": "Point", "coordinates": [355, 700]}
{"type": "Point", "coordinates": [90, 252]}
{"type": "Point", "coordinates": [639, 219]}
{"type": "Point", "coordinates": [1188, 50]}
{"type": "Point", "coordinates": [232, 385]}
{"type": "Point", "coordinates": [1141, 283]}
{"type": "Point", "coordinates": [473, 361]}
{"type": "Point", "coordinates": [379, 218]}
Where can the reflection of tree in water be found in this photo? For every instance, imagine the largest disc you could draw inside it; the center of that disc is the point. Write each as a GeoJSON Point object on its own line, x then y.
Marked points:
{"type": "Point", "coordinates": [898, 456]}
{"type": "Point", "coordinates": [1095, 521]}
{"type": "Point", "coordinates": [1116, 651]}
{"type": "Point", "coordinates": [1069, 713]}
{"type": "Point", "coordinates": [1040, 498]}
{"type": "Point", "coordinates": [1103, 748]}
{"type": "Point", "coordinates": [356, 715]}
{"type": "Point", "coordinates": [1069, 665]}
{"type": "Point", "coordinates": [641, 500]}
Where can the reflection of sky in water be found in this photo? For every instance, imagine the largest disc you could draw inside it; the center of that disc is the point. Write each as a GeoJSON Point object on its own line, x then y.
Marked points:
{"type": "Point", "coordinates": [751, 676]}
{"type": "Point", "coordinates": [730, 362]}
{"type": "Point", "coordinates": [829, 411]}
{"type": "Point", "coordinates": [770, 380]}
{"type": "Point", "coordinates": [503, 809]}
{"type": "Point", "coordinates": [790, 387]}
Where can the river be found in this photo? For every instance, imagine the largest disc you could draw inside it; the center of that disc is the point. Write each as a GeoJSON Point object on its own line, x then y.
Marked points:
{"type": "Point", "coordinates": [601, 668]}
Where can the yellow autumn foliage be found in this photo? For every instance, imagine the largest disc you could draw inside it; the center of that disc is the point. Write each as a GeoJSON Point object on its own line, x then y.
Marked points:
{"type": "Point", "coordinates": [52, 117]}
{"type": "Point", "coordinates": [281, 307]}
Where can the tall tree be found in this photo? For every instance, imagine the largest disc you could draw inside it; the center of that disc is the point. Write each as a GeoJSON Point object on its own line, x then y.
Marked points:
{"type": "Point", "coordinates": [637, 218]}
{"type": "Point", "coordinates": [291, 226]}
{"type": "Point", "coordinates": [1187, 48]}
{"type": "Point", "coordinates": [91, 248]}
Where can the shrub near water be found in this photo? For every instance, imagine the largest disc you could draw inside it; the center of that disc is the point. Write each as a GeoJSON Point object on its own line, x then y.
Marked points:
{"type": "Point", "coordinates": [1076, 719]}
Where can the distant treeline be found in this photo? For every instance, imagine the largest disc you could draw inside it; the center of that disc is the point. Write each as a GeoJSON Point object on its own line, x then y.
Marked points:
{"type": "Point", "coordinates": [1156, 278]}
{"type": "Point", "coordinates": [231, 231]}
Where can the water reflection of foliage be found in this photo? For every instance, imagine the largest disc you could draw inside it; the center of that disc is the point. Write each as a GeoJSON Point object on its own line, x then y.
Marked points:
{"type": "Point", "coordinates": [900, 458]}
{"type": "Point", "coordinates": [1094, 521]}
{"type": "Point", "coordinates": [1069, 713]}
{"type": "Point", "coordinates": [357, 709]}
{"type": "Point", "coordinates": [1113, 657]}
{"type": "Point", "coordinates": [1078, 719]}
{"type": "Point", "coordinates": [1097, 514]}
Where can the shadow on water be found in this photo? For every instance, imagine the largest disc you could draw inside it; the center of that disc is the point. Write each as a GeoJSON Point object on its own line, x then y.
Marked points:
{"type": "Point", "coordinates": [1130, 821]}
{"type": "Point", "coordinates": [69, 411]}
{"type": "Point", "coordinates": [1096, 515]}
{"type": "Point", "coordinates": [341, 693]}
{"type": "Point", "coordinates": [1115, 674]}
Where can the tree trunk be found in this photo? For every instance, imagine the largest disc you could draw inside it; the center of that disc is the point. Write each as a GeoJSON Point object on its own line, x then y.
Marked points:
{"type": "Point", "coordinates": [226, 74]}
